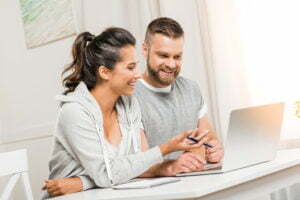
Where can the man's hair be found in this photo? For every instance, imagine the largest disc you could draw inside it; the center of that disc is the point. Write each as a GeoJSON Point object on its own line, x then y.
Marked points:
{"type": "Point", "coordinates": [165, 26]}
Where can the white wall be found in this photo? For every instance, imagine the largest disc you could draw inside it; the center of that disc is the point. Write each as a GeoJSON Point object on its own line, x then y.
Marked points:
{"type": "Point", "coordinates": [29, 79]}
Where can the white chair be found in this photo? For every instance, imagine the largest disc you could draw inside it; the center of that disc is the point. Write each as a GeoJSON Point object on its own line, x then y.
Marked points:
{"type": "Point", "coordinates": [15, 164]}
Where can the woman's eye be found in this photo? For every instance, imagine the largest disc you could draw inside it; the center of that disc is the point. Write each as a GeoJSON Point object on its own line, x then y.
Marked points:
{"type": "Point", "coordinates": [131, 68]}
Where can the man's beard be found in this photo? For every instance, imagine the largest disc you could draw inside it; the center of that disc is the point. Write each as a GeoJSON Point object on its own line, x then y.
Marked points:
{"type": "Point", "coordinates": [154, 75]}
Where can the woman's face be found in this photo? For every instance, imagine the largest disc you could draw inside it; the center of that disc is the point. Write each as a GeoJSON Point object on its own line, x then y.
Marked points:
{"type": "Point", "coordinates": [125, 74]}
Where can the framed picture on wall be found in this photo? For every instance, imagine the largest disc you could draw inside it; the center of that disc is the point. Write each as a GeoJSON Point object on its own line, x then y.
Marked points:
{"type": "Point", "coordinates": [46, 21]}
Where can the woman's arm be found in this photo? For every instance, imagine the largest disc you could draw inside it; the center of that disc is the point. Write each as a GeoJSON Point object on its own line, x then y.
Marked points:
{"type": "Point", "coordinates": [82, 138]}
{"type": "Point", "coordinates": [166, 168]}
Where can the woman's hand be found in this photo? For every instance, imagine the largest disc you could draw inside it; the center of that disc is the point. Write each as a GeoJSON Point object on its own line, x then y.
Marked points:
{"type": "Point", "coordinates": [63, 186]}
{"type": "Point", "coordinates": [181, 143]}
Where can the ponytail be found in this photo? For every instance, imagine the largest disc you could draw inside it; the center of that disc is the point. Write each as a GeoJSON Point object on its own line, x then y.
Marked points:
{"type": "Point", "coordinates": [77, 66]}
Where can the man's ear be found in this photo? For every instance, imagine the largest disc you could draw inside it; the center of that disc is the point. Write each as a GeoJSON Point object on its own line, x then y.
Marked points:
{"type": "Point", "coordinates": [145, 49]}
{"type": "Point", "coordinates": [104, 73]}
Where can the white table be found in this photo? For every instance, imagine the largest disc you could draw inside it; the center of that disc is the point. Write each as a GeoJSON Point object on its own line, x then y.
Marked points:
{"type": "Point", "coordinates": [243, 184]}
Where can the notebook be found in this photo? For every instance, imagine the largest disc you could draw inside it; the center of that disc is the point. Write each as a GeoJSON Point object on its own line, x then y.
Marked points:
{"type": "Point", "coordinates": [146, 183]}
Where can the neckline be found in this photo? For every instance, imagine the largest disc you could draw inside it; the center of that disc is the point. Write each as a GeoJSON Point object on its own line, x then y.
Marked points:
{"type": "Point", "coordinates": [120, 145]}
{"type": "Point", "coordinates": [155, 89]}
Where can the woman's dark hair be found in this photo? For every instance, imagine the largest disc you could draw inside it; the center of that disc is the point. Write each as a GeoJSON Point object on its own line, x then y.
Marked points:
{"type": "Point", "coordinates": [90, 52]}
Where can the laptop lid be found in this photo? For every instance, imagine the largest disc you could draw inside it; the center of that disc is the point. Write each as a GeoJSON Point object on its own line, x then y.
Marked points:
{"type": "Point", "coordinates": [253, 135]}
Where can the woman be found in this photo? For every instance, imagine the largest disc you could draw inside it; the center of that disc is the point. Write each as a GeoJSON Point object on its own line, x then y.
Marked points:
{"type": "Point", "coordinates": [98, 133]}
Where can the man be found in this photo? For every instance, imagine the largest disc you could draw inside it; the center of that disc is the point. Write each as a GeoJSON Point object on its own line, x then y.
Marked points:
{"type": "Point", "coordinates": [170, 105]}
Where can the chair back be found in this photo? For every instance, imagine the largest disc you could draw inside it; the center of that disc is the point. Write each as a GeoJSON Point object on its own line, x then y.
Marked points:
{"type": "Point", "coordinates": [15, 163]}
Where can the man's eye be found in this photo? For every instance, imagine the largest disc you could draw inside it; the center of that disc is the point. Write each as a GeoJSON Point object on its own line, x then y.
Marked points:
{"type": "Point", "coordinates": [163, 56]}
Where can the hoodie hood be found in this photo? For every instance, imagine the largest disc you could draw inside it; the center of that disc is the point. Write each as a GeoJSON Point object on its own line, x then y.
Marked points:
{"type": "Point", "coordinates": [82, 96]}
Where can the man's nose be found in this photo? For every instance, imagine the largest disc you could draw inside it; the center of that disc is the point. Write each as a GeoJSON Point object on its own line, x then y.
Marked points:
{"type": "Point", "coordinates": [171, 63]}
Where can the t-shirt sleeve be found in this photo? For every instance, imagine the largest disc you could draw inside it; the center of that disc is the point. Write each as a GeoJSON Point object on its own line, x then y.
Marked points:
{"type": "Point", "coordinates": [203, 106]}
{"type": "Point", "coordinates": [202, 112]}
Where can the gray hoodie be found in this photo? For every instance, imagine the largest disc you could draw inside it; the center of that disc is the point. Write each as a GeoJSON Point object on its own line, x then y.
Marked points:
{"type": "Point", "coordinates": [81, 150]}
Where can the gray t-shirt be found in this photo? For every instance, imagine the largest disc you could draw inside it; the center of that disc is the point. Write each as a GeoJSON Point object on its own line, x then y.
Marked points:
{"type": "Point", "coordinates": [166, 114]}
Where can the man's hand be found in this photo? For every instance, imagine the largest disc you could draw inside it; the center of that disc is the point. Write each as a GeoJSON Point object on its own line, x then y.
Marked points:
{"type": "Point", "coordinates": [187, 162]}
{"type": "Point", "coordinates": [214, 154]}
{"type": "Point", "coordinates": [181, 143]}
{"type": "Point", "coordinates": [63, 186]}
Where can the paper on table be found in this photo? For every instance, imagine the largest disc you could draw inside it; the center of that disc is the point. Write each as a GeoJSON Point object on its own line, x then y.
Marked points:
{"type": "Point", "coordinates": [146, 183]}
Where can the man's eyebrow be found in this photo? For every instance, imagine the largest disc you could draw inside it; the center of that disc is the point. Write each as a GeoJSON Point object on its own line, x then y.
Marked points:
{"type": "Point", "coordinates": [161, 52]}
{"type": "Point", "coordinates": [180, 53]}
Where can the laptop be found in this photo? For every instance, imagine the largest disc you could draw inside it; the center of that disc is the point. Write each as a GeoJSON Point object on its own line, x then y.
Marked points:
{"type": "Point", "coordinates": [252, 138]}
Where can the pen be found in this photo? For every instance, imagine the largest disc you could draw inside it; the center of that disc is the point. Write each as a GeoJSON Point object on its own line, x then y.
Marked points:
{"type": "Point", "coordinates": [196, 141]}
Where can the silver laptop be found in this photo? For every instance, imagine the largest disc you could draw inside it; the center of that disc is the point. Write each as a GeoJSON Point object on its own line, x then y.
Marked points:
{"type": "Point", "coordinates": [252, 138]}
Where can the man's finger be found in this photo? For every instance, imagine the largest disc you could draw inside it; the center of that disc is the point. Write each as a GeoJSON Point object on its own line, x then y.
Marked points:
{"type": "Point", "coordinates": [194, 163]}
{"type": "Point", "coordinates": [201, 136]}
{"type": "Point", "coordinates": [185, 169]}
{"type": "Point", "coordinates": [215, 148]}
{"type": "Point", "coordinates": [212, 150]}
{"type": "Point", "coordinates": [203, 140]}
{"type": "Point", "coordinates": [194, 133]}
{"type": "Point", "coordinates": [187, 133]}
{"type": "Point", "coordinates": [215, 143]}
{"type": "Point", "coordinates": [202, 133]}
{"type": "Point", "coordinates": [199, 158]}
{"type": "Point", "coordinates": [189, 166]}
{"type": "Point", "coordinates": [214, 157]}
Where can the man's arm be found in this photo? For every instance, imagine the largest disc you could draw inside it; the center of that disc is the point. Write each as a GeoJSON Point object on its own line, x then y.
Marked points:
{"type": "Point", "coordinates": [214, 154]}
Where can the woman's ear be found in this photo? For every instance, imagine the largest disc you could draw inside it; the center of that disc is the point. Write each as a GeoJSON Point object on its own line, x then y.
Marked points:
{"type": "Point", "coordinates": [104, 73]}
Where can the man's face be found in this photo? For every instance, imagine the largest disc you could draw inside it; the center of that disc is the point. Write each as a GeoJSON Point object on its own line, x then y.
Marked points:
{"type": "Point", "coordinates": [164, 57]}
